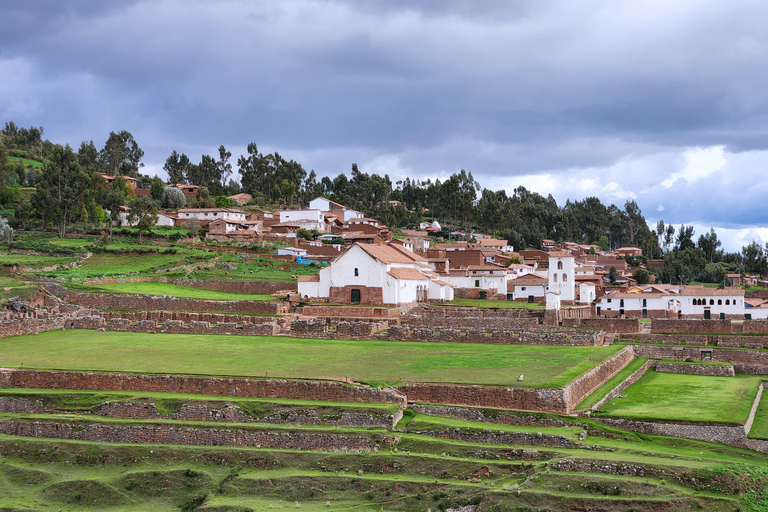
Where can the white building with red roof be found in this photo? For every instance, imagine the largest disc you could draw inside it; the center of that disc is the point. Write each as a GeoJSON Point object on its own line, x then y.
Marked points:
{"type": "Point", "coordinates": [376, 274]}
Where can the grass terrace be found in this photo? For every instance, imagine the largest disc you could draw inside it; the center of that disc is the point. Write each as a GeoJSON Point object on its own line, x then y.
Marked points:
{"type": "Point", "coordinates": [106, 265]}
{"type": "Point", "coordinates": [171, 290]}
{"type": "Point", "coordinates": [389, 362]}
{"type": "Point", "coordinates": [33, 261]}
{"type": "Point", "coordinates": [678, 397]}
{"type": "Point", "coordinates": [759, 428]}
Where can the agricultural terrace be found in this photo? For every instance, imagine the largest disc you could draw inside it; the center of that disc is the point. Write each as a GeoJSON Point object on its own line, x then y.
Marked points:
{"type": "Point", "coordinates": [499, 304]}
{"type": "Point", "coordinates": [373, 361]}
{"type": "Point", "coordinates": [171, 290]}
{"type": "Point", "coordinates": [678, 397]}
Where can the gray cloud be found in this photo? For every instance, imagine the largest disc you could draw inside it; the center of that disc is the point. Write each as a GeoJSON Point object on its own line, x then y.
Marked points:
{"type": "Point", "coordinates": [516, 92]}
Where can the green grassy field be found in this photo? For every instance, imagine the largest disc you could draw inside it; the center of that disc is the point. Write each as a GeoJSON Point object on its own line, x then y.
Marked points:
{"type": "Point", "coordinates": [760, 424]}
{"type": "Point", "coordinates": [248, 269]}
{"type": "Point", "coordinates": [500, 304]}
{"type": "Point", "coordinates": [25, 161]}
{"type": "Point", "coordinates": [677, 397]}
{"type": "Point", "coordinates": [172, 290]}
{"type": "Point", "coordinates": [104, 265]}
{"type": "Point", "coordinates": [611, 383]}
{"type": "Point", "coordinates": [33, 261]}
{"type": "Point", "coordinates": [257, 356]}
{"type": "Point", "coordinates": [72, 242]}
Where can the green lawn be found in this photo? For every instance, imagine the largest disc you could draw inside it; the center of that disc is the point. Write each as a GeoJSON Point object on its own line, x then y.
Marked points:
{"type": "Point", "coordinates": [259, 356]}
{"type": "Point", "coordinates": [501, 304]}
{"type": "Point", "coordinates": [760, 425]}
{"type": "Point", "coordinates": [677, 397]}
{"type": "Point", "coordinates": [25, 161]}
{"type": "Point", "coordinates": [104, 265]}
{"type": "Point", "coordinates": [72, 242]}
{"type": "Point", "coordinates": [611, 383]}
{"type": "Point", "coordinates": [27, 260]}
{"type": "Point", "coordinates": [172, 290]}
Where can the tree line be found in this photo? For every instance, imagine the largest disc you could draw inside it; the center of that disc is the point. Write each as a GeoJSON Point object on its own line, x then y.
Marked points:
{"type": "Point", "coordinates": [69, 188]}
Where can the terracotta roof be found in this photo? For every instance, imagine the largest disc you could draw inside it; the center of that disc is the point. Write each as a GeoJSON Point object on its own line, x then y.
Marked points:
{"type": "Point", "coordinates": [559, 254]}
{"type": "Point", "coordinates": [529, 280]}
{"type": "Point", "coordinates": [485, 267]}
{"type": "Point", "coordinates": [410, 254]}
{"type": "Point", "coordinates": [309, 279]}
{"type": "Point", "coordinates": [443, 283]}
{"type": "Point", "coordinates": [407, 273]}
{"type": "Point", "coordinates": [387, 253]}
{"type": "Point", "coordinates": [493, 242]}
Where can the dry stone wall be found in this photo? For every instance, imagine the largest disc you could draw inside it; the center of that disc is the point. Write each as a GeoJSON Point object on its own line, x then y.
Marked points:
{"type": "Point", "coordinates": [733, 436]}
{"type": "Point", "coordinates": [325, 391]}
{"type": "Point", "coordinates": [744, 361]}
{"type": "Point", "coordinates": [488, 416]}
{"type": "Point", "coordinates": [696, 369]}
{"type": "Point", "coordinates": [691, 326]}
{"type": "Point", "coordinates": [513, 438]}
{"type": "Point", "coordinates": [584, 385]}
{"type": "Point", "coordinates": [620, 325]}
{"type": "Point", "coordinates": [187, 436]}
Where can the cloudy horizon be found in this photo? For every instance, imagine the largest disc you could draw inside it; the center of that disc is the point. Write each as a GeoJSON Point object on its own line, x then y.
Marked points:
{"type": "Point", "coordinates": [663, 103]}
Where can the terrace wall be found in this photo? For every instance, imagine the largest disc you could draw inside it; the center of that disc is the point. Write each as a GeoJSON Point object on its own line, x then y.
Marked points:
{"type": "Point", "coordinates": [744, 361]}
{"type": "Point", "coordinates": [634, 377]}
{"type": "Point", "coordinates": [755, 326]}
{"type": "Point", "coordinates": [201, 411]}
{"type": "Point", "coordinates": [326, 391]}
{"type": "Point", "coordinates": [561, 401]}
{"type": "Point", "coordinates": [503, 418]}
{"type": "Point", "coordinates": [697, 369]}
{"type": "Point", "coordinates": [325, 311]}
{"type": "Point", "coordinates": [732, 436]}
{"type": "Point", "coordinates": [158, 434]}
{"type": "Point", "coordinates": [620, 325]}
{"type": "Point", "coordinates": [691, 326]}
{"type": "Point", "coordinates": [147, 302]}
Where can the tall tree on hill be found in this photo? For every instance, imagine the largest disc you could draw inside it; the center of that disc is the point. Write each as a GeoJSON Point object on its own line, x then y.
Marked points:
{"type": "Point", "coordinates": [88, 157]}
{"type": "Point", "coordinates": [709, 243]}
{"type": "Point", "coordinates": [121, 155]}
{"type": "Point", "coordinates": [225, 168]}
{"type": "Point", "coordinates": [61, 188]}
{"type": "Point", "coordinates": [176, 166]}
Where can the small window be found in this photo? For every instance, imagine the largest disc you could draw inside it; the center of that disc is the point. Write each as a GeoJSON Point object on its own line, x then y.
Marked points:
{"type": "Point", "coordinates": [477, 283]}
{"type": "Point", "coordinates": [719, 302]}
{"type": "Point", "coordinates": [711, 302]}
{"type": "Point", "coordinates": [565, 277]}
{"type": "Point", "coordinates": [522, 288]}
{"type": "Point", "coordinates": [645, 303]}
{"type": "Point", "coordinates": [609, 301]}
{"type": "Point", "coordinates": [555, 277]}
{"type": "Point", "coordinates": [559, 265]}
{"type": "Point", "coordinates": [356, 273]}
{"type": "Point", "coordinates": [621, 303]}
{"type": "Point", "coordinates": [727, 302]}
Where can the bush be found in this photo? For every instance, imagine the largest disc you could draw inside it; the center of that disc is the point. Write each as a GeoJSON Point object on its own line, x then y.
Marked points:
{"type": "Point", "coordinates": [6, 231]}
{"type": "Point", "coordinates": [173, 198]}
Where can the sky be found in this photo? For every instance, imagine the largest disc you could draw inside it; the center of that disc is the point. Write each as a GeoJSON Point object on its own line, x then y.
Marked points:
{"type": "Point", "coordinates": [665, 103]}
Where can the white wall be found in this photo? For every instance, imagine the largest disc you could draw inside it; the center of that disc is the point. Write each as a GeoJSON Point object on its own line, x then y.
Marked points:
{"type": "Point", "coordinates": [566, 288]}
{"type": "Point", "coordinates": [306, 219]}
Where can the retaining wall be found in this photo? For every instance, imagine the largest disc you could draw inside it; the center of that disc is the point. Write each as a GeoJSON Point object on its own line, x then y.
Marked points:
{"type": "Point", "coordinates": [696, 369]}
{"type": "Point", "coordinates": [202, 411]}
{"type": "Point", "coordinates": [486, 416]}
{"type": "Point", "coordinates": [691, 326]}
{"type": "Point", "coordinates": [186, 436]}
{"type": "Point", "coordinates": [326, 391]}
{"type": "Point", "coordinates": [620, 325]}
{"type": "Point", "coordinates": [561, 401]}
{"type": "Point", "coordinates": [733, 436]}
{"type": "Point", "coordinates": [584, 385]}
{"type": "Point", "coordinates": [744, 361]}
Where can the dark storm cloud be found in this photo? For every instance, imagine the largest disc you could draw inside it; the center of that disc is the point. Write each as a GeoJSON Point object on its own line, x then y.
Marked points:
{"type": "Point", "coordinates": [578, 98]}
